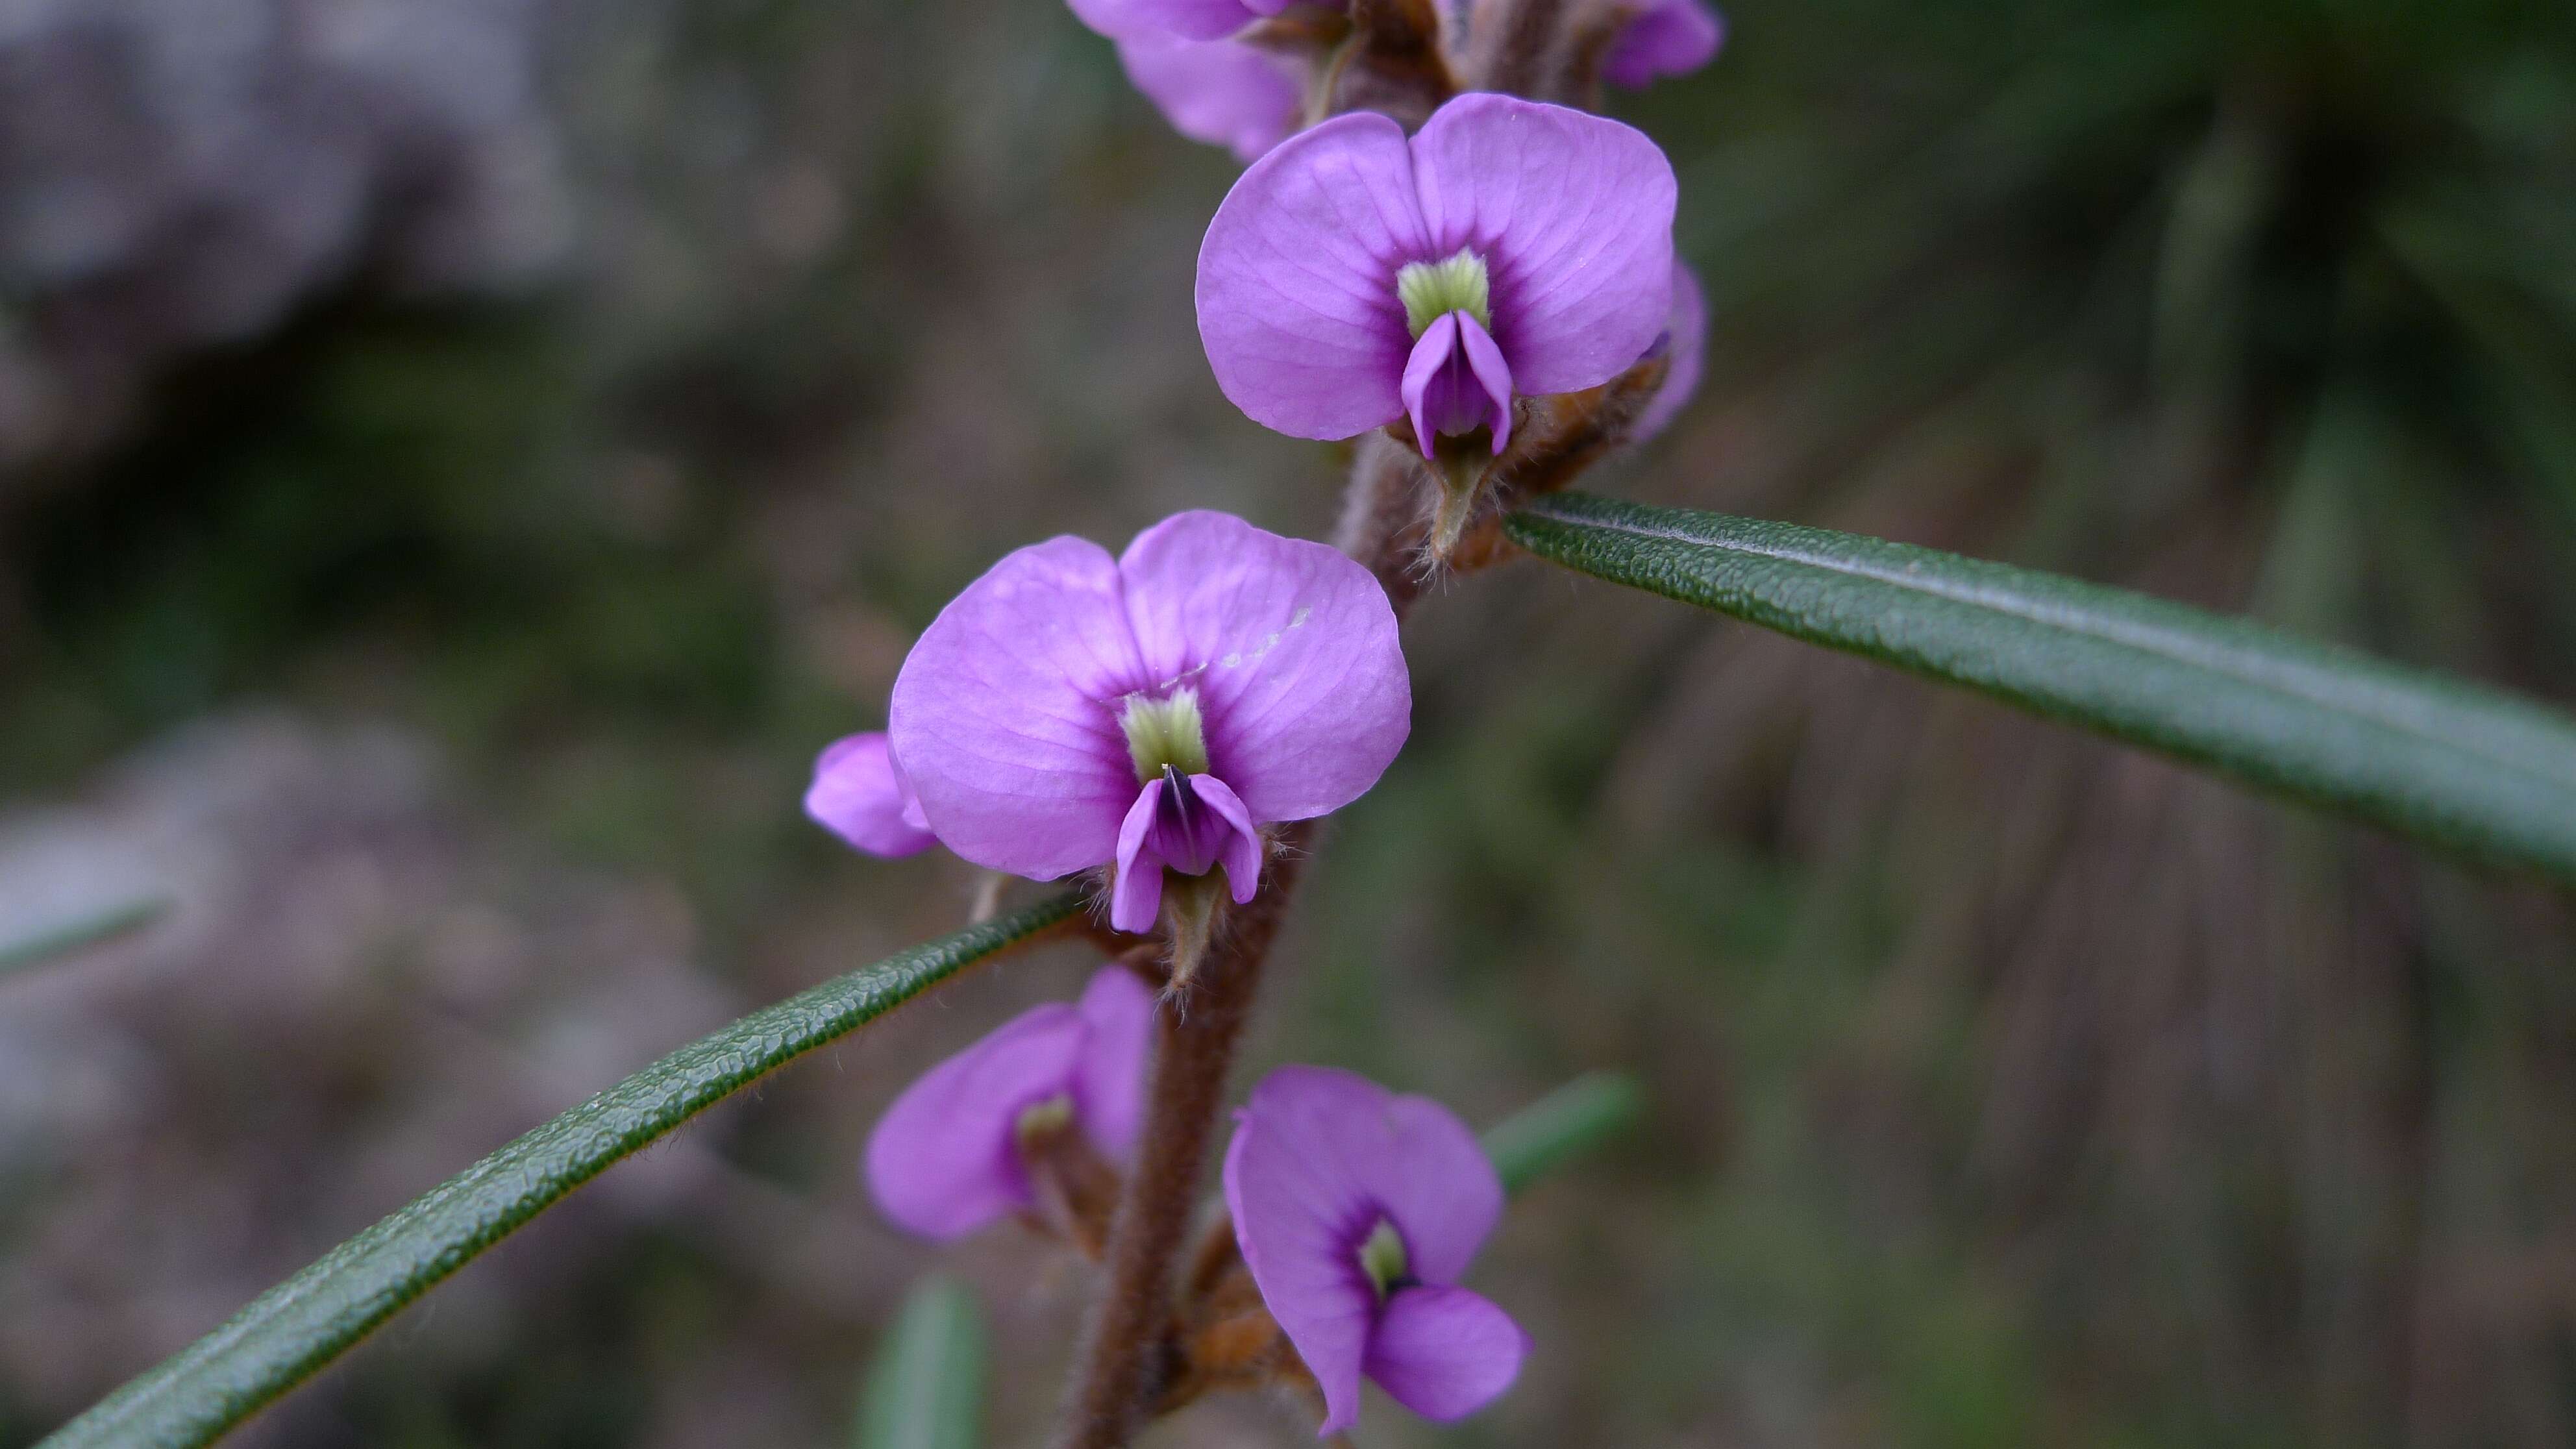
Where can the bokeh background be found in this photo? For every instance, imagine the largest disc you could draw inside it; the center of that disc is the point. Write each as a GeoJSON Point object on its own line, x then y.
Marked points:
{"type": "Point", "coordinates": [460, 459]}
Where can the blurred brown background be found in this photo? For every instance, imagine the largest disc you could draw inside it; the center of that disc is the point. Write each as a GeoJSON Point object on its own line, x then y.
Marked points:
{"type": "Point", "coordinates": [460, 459]}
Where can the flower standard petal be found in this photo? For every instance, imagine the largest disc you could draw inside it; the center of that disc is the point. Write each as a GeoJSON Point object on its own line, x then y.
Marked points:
{"type": "Point", "coordinates": [1668, 37]}
{"type": "Point", "coordinates": [1685, 341]}
{"type": "Point", "coordinates": [860, 795]}
{"type": "Point", "coordinates": [1573, 214]}
{"type": "Point", "coordinates": [1292, 648]}
{"type": "Point", "coordinates": [1222, 92]}
{"type": "Point", "coordinates": [1444, 1352]}
{"type": "Point", "coordinates": [944, 1160]}
{"type": "Point", "coordinates": [1117, 1013]}
{"type": "Point", "coordinates": [1005, 713]}
{"type": "Point", "coordinates": [1296, 293]}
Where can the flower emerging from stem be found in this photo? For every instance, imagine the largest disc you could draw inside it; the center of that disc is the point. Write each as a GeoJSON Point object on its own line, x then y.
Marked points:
{"type": "Point", "coordinates": [954, 1152]}
{"type": "Point", "coordinates": [1357, 1211]}
{"type": "Point", "coordinates": [1353, 277]}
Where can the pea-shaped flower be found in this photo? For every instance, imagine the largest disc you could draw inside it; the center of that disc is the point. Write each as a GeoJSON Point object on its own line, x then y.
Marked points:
{"type": "Point", "coordinates": [1151, 712]}
{"type": "Point", "coordinates": [946, 1159]}
{"type": "Point", "coordinates": [860, 794]}
{"type": "Point", "coordinates": [1353, 277]}
{"type": "Point", "coordinates": [1358, 1211]}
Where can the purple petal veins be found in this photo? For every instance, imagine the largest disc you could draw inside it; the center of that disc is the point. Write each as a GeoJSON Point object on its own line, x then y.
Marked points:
{"type": "Point", "coordinates": [944, 1160]}
{"type": "Point", "coordinates": [1667, 37]}
{"type": "Point", "coordinates": [1357, 1211]}
{"type": "Point", "coordinates": [860, 794]}
{"type": "Point", "coordinates": [1035, 716]}
{"type": "Point", "coordinates": [1566, 216]}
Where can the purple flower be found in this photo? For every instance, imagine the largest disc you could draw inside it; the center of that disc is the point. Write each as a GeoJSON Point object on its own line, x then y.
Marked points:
{"type": "Point", "coordinates": [1357, 1211]}
{"type": "Point", "coordinates": [1069, 709]}
{"type": "Point", "coordinates": [946, 1158]}
{"type": "Point", "coordinates": [1223, 92]}
{"type": "Point", "coordinates": [860, 794]}
{"type": "Point", "coordinates": [1686, 335]}
{"type": "Point", "coordinates": [1352, 277]}
{"type": "Point", "coordinates": [1187, 19]}
{"type": "Point", "coordinates": [1667, 37]}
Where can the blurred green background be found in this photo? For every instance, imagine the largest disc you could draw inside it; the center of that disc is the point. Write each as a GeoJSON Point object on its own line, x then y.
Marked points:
{"type": "Point", "coordinates": [448, 628]}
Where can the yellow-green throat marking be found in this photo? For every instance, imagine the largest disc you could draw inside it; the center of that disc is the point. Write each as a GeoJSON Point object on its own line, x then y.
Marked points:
{"type": "Point", "coordinates": [1433, 290]}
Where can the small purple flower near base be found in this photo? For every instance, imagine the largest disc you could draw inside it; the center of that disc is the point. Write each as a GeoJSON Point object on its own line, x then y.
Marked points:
{"type": "Point", "coordinates": [1353, 277]}
{"type": "Point", "coordinates": [1358, 1211]}
{"type": "Point", "coordinates": [1153, 711]}
{"type": "Point", "coordinates": [860, 794]}
{"type": "Point", "coordinates": [1664, 38]}
{"type": "Point", "coordinates": [945, 1160]}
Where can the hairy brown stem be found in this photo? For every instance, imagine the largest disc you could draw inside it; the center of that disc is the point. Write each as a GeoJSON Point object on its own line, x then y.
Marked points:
{"type": "Point", "coordinates": [1517, 52]}
{"type": "Point", "coordinates": [1130, 1355]}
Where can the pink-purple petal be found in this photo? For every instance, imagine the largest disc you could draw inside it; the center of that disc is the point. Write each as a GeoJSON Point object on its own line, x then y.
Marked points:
{"type": "Point", "coordinates": [1427, 1169]}
{"type": "Point", "coordinates": [1667, 37]}
{"type": "Point", "coordinates": [1427, 389]}
{"type": "Point", "coordinates": [1299, 1213]}
{"type": "Point", "coordinates": [1005, 715]}
{"type": "Point", "coordinates": [1136, 896]}
{"type": "Point", "coordinates": [1685, 341]}
{"type": "Point", "coordinates": [1492, 374]}
{"type": "Point", "coordinates": [1117, 1013]}
{"type": "Point", "coordinates": [1296, 279]}
{"type": "Point", "coordinates": [1573, 214]}
{"type": "Point", "coordinates": [1444, 1352]}
{"type": "Point", "coordinates": [1222, 92]}
{"type": "Point", "coordinates": [944, 1160]}
{"type": "Point", "coordinates": [1292, 648]}
{"type": "Point", "coordinates": [1185, 19]}
{"type": "Point", "coordinates": [1239, 849]}
{"type": "Point", "coordinates": [860, 795]}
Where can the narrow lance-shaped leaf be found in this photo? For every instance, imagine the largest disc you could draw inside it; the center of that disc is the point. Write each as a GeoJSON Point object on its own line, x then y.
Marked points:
{"type": "Point", "coordinates": [1570, 1121]}
{"type": "Point", "coordinates": [926, 1390]}
{"type": "Point", "coordinates": [70, 936]}
{"type": "Point", "coordinates": [2448, 762]}
{"type": "Point", "coordinates": [294, 1329]}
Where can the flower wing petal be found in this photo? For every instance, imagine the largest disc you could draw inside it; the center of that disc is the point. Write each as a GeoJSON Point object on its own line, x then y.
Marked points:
{"type": "Point", "coordinates": [1444, 1352]}
{"type": "Point", "coordinates": [1117, 1013]}
{"type": "Point", "coordinates": [1292, 648]}
{"type": "Point", "coordinates": [1136, 896]}
{"type": "Point", "coordinates": [860, 796]}
{"type": "Point", "coordinates": [944, 1160]}
{"type": "Point", "coordinates": [1438, 1185]}
{"type": "Point", "coordinates": [1574, 216]}
{"type": "Point", "coordinates": [1296, 279]}
{"type": "Point", "coordinates": [1005, 713]}
{"type": "Point", "coordinates": [1300, 1211]}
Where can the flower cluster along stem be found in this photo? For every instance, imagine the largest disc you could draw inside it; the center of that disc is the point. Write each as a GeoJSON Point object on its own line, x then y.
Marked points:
{"type": "Point", "coordinates": [1130, 1353]}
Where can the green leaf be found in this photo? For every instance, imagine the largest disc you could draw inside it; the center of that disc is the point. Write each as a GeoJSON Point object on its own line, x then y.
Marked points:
{"type": "Point", "coordinates": [78, 935]}
{"type": "Point", "coordinates": [927, 1388]}
{"type": "Point", "coordinates": [2444, 761]}
{"type": "Point", "coordinates": [1567, 1122]}
{"type": "Point", "coordinates": [295, 1328]}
